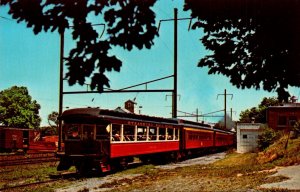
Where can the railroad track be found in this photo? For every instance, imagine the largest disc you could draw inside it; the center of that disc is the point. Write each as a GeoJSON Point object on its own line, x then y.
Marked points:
{"type": "Point", "coordinates": [34, 158]}
{"type": "Point", "coordinates": [53, 178]}
{"type": "Point", "coordinates": [10, 188]}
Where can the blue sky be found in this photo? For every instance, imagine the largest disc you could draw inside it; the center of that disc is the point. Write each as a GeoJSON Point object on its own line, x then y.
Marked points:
{"type": "Point", "coordinates": [33, 61]}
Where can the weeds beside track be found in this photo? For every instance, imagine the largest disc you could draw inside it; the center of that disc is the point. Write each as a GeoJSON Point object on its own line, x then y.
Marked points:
{"type": "Point", "coordinates": [32, 158]}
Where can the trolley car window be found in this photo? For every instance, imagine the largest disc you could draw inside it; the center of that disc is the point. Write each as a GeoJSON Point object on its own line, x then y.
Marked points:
{"type": "Point", "coordinates": [88, 132]}
{"type": "Point", "coordinates": [116, 132]}
{"type": "Point", "coordinates": [73, 132]}
{"type": "Point", "coordinates": [142, 133]}
{"type": "Point", "coordinates": [170, 135]}
{"type": "Point", "coordinates": [176, 134]}
{"type": "Point", "coordinates": [162, 133]}
{"type": "Point", "coordinates": [128, 133]}
{"type": "Point", "coordinates": [102, 132]}
{"type": "Point", "coordinates": [152, 133]}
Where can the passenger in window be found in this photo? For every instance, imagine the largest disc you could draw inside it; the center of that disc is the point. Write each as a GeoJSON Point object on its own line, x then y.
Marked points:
{"type": "Point", "coordinates": [140, 136]}
{"type": "Point", "coordinates": [75, 134]}
{"type": "Point", "coordinates": [91, 136]}
{"type": "Point", "coordinates": [126, 138]}
{"type": "Point", "coordinates": [117, 136]}
{"type": "Point", "coordinates": [152, 136]}
{"type": "Point", "coordinates": [85, 135]}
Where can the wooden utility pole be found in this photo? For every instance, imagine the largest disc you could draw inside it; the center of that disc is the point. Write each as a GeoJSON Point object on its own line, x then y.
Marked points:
{"type": "Point", "coordinates": [174, 96]}
{"type": "Point", "coordinates": [61, 74]}
{"type": "Point", "coordinates": [225, 106]}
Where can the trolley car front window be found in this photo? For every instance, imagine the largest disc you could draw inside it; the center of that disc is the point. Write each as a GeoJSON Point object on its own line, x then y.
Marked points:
{"type": "Point", "coordinates": [72, 132]}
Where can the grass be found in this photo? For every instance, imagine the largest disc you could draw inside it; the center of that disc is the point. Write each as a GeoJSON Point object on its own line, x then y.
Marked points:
{"type": "Point", "coordinates": [279, 155]}
{"type": "Point", "coordinates": [236, 172]}
{"type": "Point", "coordinates": [25, 174]}
{"type": "Point", "coordinates": [144, 169]}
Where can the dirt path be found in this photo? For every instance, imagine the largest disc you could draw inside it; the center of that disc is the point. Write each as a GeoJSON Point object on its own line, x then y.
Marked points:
{"type": "Point", "coordinates": [293, 183]}
{"type": "Point", "coordinates": [196, 161]}
{"type": "Point", "coordinates": [92, 184]}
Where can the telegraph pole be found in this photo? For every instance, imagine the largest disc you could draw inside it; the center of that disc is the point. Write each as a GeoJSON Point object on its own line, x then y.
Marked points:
{"type": "Point", "coordinates": [225, 117]}
{"type": "Point", "coordinates": [174, 97]}
{"type": "Point", "coordinates": [225, 107]}
{"type": "Point", "coordinates": [61, 74]}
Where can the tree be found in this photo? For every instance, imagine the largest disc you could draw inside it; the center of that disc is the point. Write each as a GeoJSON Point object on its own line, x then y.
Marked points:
{"type": "Point", "coordinates": [53, 119]}
{"type": "Point", "coordinates": [129, 23]}
{"type": "Point", "coordinates": [48, 131]}
{"type": "Point", "coordinates": [53, 122]}
{"type": "Point", "coordinates": [17, 109]}
{"type": "Point", "coordinates": [254, 43]}
{"type": "Point", "coordinates": [267, 138]}
{"type": "Point", "coordinates": [258, 113]}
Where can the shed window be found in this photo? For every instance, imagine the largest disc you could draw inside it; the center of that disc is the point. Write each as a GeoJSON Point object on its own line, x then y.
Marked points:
{"type": "Point", "coordinates": [245, 136]}
{"type": "Point", "coordinates": [292, 120]}
{"type": "Point", "coordinates": [282, 120]}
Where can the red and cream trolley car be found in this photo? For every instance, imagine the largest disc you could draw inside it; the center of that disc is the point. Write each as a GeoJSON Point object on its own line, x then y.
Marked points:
{"type": "Point", "coordinates": [104, 139]}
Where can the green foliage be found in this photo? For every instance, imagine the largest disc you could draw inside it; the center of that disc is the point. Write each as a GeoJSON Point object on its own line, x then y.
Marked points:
{"type": "Point", "coordinates": [128, 24]}
{"type": "Point", "coordinates": [283, 152]}
{"type": "Point", "coordinates": [254, 43]}
{"type": "Point", "coordinates": [53, 119]}
{"type": "Point", "coordinates": [296, 127]}
{"type": "Point", "coordinates": [258, 113]}
{"type": "Point", "coordinates": [17, 109]}
{"type": "Point", "coordinates": [267, 138]}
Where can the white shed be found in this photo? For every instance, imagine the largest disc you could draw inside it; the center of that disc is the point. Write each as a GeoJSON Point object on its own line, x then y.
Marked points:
{"type": "Point", "coordinates": [247, 136]}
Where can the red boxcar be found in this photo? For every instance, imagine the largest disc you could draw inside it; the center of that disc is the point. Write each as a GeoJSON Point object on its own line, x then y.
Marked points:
{"type": "Point", "coordinates": [14, 138]}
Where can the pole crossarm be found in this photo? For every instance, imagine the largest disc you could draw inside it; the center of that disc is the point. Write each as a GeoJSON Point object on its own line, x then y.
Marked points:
{"type": "Point", "coordinates": [145, 83]}
{"type": "Point", "coordinates": [120, 91]}
{"type": "Point", "coordinates": [125, 89]}
{"type": "Point", "coordinates": [178, 19]}
{"type": "Point", "coordinates": [96, 24]}
{"type": "Point", "coordinates": [200, 116]}
{"type": "Point", "coordinates": [187, 113]}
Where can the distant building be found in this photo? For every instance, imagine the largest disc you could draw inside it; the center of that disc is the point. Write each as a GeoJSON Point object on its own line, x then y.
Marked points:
{"type": "Point", "coordinates": [247, 136]}
{"type": "Point", "coordinates": [122, 110]}
{"type": "Point", "coordinates": [283, 117]}
{"type": "Point", "coordinates": [129, 105]}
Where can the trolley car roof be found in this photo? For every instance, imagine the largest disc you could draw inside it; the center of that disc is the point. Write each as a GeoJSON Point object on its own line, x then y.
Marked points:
{"type": "Point", "coordinates": [106, 114]}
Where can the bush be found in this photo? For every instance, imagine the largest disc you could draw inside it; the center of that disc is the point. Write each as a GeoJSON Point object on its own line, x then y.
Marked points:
{"type": "Point", "coordinates": [267, 138]}
{"type": "Point", "coordinates": [296, 130]}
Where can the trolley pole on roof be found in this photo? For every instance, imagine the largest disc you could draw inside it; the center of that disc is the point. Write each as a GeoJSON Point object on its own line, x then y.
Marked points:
{"type": "Point", "coordinates": [61, 73]}
{"type": "Point", "coordinates": [174, 97]}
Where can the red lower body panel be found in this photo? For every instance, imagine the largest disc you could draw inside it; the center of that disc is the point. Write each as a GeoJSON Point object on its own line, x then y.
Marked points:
{"type": "Point", "coordinates": [198, 144]}
{"type": "Point", "coordinates": [140, 148]}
